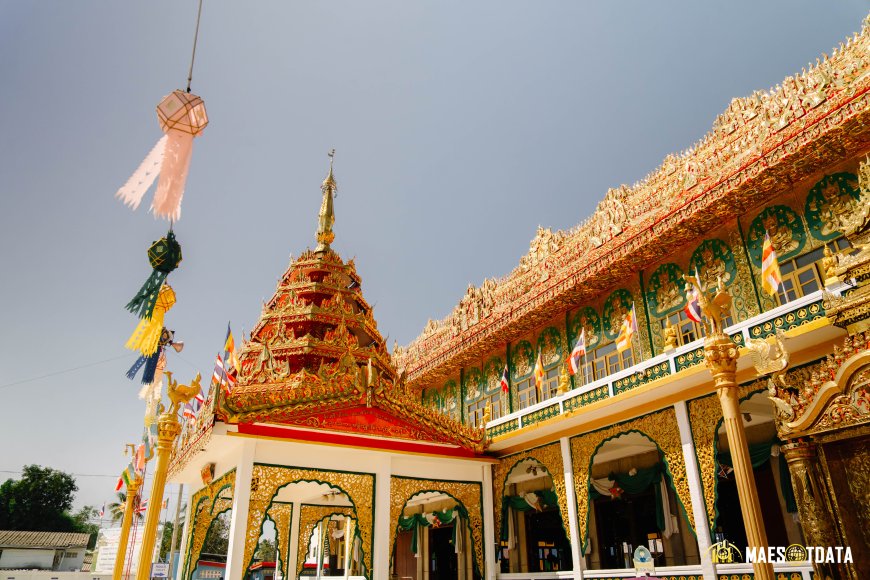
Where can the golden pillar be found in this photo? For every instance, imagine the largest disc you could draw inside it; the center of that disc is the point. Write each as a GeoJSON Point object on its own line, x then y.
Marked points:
{"type": "Point", "coordinates": [720, 354]}
{"type": "Point", "coordinates": [814, 505]}
{"type": "Point", "coordinates": [129, 508]}
{"type": "Point", "coordinates": [168, 429]}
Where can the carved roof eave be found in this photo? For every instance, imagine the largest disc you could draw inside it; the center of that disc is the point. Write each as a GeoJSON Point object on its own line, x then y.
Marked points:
{"type": "Point", "coordinates": [839, 131]}
{"type": "Point", "coordinates": [320, 399]}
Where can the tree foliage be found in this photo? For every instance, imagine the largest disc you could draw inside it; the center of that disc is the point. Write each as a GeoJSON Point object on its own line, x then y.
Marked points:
{"type": "Point", "coordinates": [39, 501]}
{"type": "Point", "coordinates": [217, 540]}
{"type": "Point", "coordinates": [266, 551]}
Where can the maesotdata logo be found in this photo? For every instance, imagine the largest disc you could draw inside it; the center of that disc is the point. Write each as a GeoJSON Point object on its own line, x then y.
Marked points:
{"type": "Point", "coordinates": [726, 553]}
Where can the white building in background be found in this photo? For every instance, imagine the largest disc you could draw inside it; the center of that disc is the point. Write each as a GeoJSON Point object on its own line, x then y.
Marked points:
{"type": "Point", "coordinates": [59, 551]}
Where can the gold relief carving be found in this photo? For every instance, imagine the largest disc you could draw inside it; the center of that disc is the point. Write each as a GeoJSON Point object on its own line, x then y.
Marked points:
{"type": "Point", "coordinates": [282, 514]}
{"type": "Point", "coordinates": [745, 305]}
{"type": "Point", "coordinates": [266, 480]}
{"type": "Point", "coordinates": [309, 517]}
{"type": "Point", "coordinates": [550, 456]}
{"type": "Point", "coordinates": [704, 415]}
{"type": "Point", "coordinates": [468, 493]}
{"type": "Point", "coordinates": [205, 505]}
{"type": "Point", "coordinates": [253, 529]}
{"type": "Point", "coordinates": [660, 428]}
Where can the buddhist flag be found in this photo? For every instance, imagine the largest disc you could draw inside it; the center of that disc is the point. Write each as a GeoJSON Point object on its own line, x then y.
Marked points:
{"type": "Point", "coordinates": [505, 385]}
{"type": "Point", "coordinates": [693, 300]}
{"type": "Point", "coordinates": [539, 371]}
{"type": "Point", "coordinates": [770, 276]}
{"type": "Point", "coordinates": [579, 351]}
{"type": "Point", "coordinates": [230, 351]}
{"type": "Point", "coordinates": [626, 332]}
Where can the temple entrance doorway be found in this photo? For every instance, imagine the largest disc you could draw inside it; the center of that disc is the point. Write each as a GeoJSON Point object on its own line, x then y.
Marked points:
{"type": "Point", "coordinates": [443, 561]}
{"type": "Point", "coordinates": [533, 537]}
{"type": "Point", "coordinates": [632, 504]}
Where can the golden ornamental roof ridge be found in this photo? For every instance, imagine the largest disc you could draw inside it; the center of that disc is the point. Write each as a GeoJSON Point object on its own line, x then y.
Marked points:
{"type": "Point", "coordinates": [739, 136]}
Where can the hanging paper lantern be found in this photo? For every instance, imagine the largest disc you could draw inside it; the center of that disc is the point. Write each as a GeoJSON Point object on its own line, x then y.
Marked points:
{"type": "Point", "coordinates": [146, 336]}
{"type": "Point", "coordinates": [182, 117]}
{"type": "Point", "coordinates": [164, 256]}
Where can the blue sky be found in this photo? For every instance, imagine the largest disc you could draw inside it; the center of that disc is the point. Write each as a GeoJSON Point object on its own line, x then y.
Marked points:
{"type": "Point", "coordinates": [459, 128]}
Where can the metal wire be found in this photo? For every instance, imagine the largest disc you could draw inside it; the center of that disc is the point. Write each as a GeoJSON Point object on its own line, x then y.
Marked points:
{"type": "Point", "coordinates": [195, 38]}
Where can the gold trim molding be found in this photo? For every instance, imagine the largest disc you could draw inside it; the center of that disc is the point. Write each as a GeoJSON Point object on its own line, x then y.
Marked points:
{"type": "Point", "coordinates": [309, 517]}
{"type": "Point", "coordinates": [658, 427]}
{"type": "Point", "coordinates": [550, 456]}
{"type": "Point", "coordinates": [267, 480]}
{"type": "Point", "coordinates": [205, 505]}
{"type": "Point", "coordinates": [468, 493]}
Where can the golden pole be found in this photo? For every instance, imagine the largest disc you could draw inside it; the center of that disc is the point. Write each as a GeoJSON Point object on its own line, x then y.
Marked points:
{"type": "Point", "coordinates": [168, 428]}
{"type": "Point", "coordinates": [121, 556]}
{"type": "Point", "coordinates": [720, 354]}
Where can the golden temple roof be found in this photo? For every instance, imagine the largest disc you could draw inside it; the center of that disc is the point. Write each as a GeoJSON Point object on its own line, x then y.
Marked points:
{"type": "Point", "coordinates": [316, 358]}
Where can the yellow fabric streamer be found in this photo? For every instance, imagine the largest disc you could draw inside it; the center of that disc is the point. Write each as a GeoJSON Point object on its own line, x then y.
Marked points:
{"type": "Point", "coordinates": [146, 337]}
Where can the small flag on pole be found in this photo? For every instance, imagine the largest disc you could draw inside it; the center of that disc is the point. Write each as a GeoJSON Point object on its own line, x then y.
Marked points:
{"type": "Point", "coordinates": [579, 351]}
{"type": "Point", "coordinates": [539, 371]}
{"type": "Point", "coordinates": [230, 351]}
{"type": "Point", "coordinates": [505, 386]}
{"type": "Point", "coordinates": [626, 332]}
{"type": "Point", "coordinates": [770, 275]}
{"type": "Point", "coordinates": [693, 300]}
{"type": "Point", "coordinates": [143, 507]}
{"type": "Point", "coordinates": [102, 511]}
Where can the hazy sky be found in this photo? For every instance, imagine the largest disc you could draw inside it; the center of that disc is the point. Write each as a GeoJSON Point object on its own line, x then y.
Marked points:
{"type": "Point", "coordinates": [460, 126]}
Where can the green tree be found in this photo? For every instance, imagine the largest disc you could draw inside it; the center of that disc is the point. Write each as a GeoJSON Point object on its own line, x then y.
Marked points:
{"type": "Point", "coordinates": [116, 509]}
{"type": "Point", "coordinates": [217, 540]}
{"type": "Point", "coordinates": [266, 551]}
{"type": "Point", "coordinates": [82, 523]}
{"type": "Point", "coordinates": [39, 501]}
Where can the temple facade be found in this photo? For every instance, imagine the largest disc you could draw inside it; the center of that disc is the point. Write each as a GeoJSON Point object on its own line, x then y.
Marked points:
{"type": "Point", "coordinates": [731, 445]}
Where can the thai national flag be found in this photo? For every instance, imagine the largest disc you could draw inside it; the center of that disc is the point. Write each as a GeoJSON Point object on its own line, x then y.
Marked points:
{"type": "Point", "coordinates": [505, 386]}
{"type": "Point", "coordinates": [102, 510]}
{"type": "Point", "coordinates": [579, 351]}
{"type": "Point", "coordinates": [143, 507]}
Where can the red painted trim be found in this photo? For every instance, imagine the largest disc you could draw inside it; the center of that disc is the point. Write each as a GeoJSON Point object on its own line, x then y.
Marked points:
{"type": "Point", "coordinates": [352, 441]}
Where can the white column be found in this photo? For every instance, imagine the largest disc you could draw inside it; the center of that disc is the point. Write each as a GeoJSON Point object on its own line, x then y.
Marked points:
{"type": "Point", "coordinates": [239, 521]}
{"type": "Point", "coordinates": [182, 550]}
{"type": "Point", "coordinates": [571, 498]}
{"type": "Point", "coordinates": [381, 535]}
{"type": "Point", "coordinates": [702, 525]}
{"type": "Point", "coordinates": [293, 543]}
{"type": "Point", "coordinates": [488, 509]}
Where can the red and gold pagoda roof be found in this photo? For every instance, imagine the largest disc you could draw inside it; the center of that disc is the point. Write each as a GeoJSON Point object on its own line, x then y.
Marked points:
{"type": "Point", "coordinates": [316, 360]}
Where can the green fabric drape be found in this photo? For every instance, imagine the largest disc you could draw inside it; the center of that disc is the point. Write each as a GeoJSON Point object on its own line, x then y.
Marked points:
{"type": "Point", "coordinates": [759, 454]}
{"type": "Point", "coordinates": [547, 498]}
{"type": "Point", "coordinates": [638, 483]}
{"type": "Point", "coordinates": [415, 521]}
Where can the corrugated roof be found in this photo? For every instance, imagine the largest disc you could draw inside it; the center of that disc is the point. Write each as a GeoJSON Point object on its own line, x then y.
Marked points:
{"type": "Point", "coordinates": [19, 539]}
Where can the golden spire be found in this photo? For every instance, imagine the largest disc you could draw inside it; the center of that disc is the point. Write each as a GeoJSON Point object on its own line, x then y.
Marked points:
{"type": "Point", "coordinates": [326, 217]}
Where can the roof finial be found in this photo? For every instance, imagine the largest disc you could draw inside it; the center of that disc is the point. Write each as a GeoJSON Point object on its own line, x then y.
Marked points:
{"type": "Point", "coordinates": [326, 217]}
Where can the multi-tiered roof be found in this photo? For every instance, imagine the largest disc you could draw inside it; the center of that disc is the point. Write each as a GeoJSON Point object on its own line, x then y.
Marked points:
{"type": "Point", "coordinates": [316, 360]}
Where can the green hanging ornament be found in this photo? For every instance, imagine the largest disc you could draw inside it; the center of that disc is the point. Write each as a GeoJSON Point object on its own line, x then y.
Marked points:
{"type": "Point", "coordinates": [164, 256]}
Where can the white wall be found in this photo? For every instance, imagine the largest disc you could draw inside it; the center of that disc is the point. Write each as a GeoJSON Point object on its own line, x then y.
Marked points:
{"type": "Point", "coordinates": [27, 558]}
{"type": "Point", "coordinates": [49, 575]}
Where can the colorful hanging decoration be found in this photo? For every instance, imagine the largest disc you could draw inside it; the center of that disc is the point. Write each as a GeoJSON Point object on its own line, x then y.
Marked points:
{"type": "Point", "coordinates": [164, 256]}
{"type": "Point", "coordinates": [149, 363]}
{"type": "Point", "coordinates": [182, 117]}
{"type": "Point", "coordinates": [146, 336]}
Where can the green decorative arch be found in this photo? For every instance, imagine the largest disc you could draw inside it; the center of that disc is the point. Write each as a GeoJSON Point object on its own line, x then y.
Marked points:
{"type": "Point", "coordinates": [712, 260]}
{"type": "Point", "coordinates": [584, 537]}
{"type": "Point", "coordinates": [189, 564]}
{"type": "Point", "coordinates": [785, 229]}
{"type": "Point", "coordinates": [522, 360]}
{"type": "Point", "coordinates": [829, 202]}
{"type": "Point", "coordinates": [618, 305]}
{"type": "Point", "coordinates": [492, 372]}
{"type": "Point", "coordinates": [549, 344]}
{"type": "Point", "coordinates": [472, 382]}
{"type": "Point", "coordinates": [586, 318]}
{"type": "Point", "coordinates": [665, 292]}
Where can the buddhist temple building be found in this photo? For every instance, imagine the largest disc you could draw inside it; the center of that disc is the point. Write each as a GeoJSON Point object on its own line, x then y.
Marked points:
{"type": "Point", "coordinates": [479, 451]}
